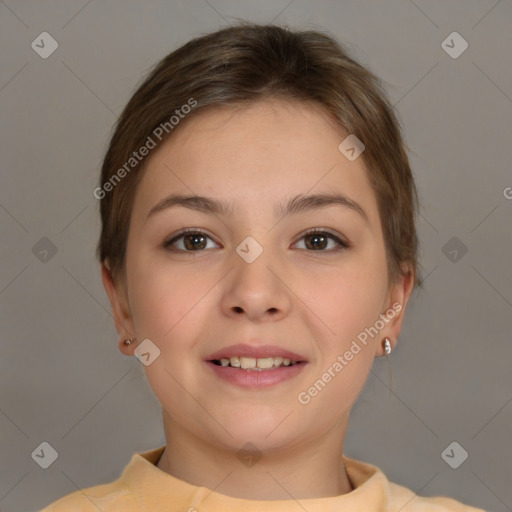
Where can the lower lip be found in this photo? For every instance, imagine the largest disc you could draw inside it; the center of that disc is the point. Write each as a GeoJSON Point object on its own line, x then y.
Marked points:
{"type": "Point", "coordinates": [254, 379]}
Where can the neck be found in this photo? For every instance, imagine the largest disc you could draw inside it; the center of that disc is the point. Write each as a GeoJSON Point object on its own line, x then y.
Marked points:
{"type": "Point", "coordinates": [312, 469]}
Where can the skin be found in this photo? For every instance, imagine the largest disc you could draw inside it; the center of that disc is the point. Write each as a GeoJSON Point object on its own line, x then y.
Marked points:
{"type": "Point", "coordinates": [313, 302]}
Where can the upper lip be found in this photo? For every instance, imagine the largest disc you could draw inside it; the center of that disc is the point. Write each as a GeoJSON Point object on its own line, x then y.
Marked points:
{"type": "Point", "coordinates": [259, 351]}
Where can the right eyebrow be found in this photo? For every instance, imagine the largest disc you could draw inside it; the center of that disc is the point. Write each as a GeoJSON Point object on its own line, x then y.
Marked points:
{"type": "Point", "coordinates": [198, 203]}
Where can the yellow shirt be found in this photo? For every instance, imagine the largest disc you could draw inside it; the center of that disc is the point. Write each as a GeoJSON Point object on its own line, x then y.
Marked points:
{"type": "Point", "coordinates": [143, 487]}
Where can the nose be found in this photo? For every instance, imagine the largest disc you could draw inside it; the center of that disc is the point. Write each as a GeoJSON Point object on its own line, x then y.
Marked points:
{"type": "Point", "coordinates": [257, 290]}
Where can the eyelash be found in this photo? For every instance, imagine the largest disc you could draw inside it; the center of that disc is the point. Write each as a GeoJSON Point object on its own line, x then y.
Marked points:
{"type": "Point", "coordinates": [343, 244]}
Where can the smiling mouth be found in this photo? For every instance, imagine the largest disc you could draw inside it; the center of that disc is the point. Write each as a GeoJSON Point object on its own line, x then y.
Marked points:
{"type": "Point", "coordinates": [255, 364]}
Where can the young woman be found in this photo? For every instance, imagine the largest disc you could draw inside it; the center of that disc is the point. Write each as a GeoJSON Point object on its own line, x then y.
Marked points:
{"type": "Point", "coordinates": [258, 247]}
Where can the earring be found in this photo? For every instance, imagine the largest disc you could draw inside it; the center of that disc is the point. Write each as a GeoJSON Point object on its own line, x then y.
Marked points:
{"type": "Point", "coordinates": [127, 342]}
{"type": "Point", "coordinates": [387, 346]}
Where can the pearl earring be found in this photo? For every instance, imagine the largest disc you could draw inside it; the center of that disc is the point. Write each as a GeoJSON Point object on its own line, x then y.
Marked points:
{"type": "Point", "coordinates": [387, 346]}
{"type": "Point", "coordinates": [127, 342]}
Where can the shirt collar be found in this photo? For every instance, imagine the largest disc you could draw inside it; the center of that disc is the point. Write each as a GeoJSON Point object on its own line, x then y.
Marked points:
{"type": "Point", "coordinates": [155, 490]}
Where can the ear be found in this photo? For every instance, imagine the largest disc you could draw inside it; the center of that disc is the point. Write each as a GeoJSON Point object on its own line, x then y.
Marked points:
{"type": "Point", "coordinates": [119, 303]}
{"type": "Point", "coordinates": [394, 310]}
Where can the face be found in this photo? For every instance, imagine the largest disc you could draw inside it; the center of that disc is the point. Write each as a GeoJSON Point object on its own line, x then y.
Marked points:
{"type": "Point", "coordinates": [307, 279]}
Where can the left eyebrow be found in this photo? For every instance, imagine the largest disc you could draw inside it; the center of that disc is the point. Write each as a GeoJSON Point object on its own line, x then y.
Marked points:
{"type": "Point", "coordinates": [301, 203]}
{"type": "Point", "coordinates": [297, 204]}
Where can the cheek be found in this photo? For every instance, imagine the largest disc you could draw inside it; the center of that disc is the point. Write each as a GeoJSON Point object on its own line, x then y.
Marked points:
{"type": "Point", "coordinates": [158, 298]}
{"type": "Point", "coordinates": [348, 298]}
{"type": "Point", "coordinates": [169, 303]}
{"type": "Point", "coordinates": [333, 390]}
{"type": "Point", "coordinates": [348, 383]}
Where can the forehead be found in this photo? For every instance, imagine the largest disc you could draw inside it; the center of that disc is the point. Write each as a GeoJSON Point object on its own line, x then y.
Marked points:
{"type": "Point", "coordinates": [251, 153]}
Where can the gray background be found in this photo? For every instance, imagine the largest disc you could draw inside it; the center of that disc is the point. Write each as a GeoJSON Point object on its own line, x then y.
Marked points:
{"type": "Point", "coordinates": [63, 380]}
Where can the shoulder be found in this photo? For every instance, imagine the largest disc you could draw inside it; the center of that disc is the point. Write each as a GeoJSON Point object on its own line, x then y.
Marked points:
{"type": "Point", "coordinates": [125, 493]}
{"type": "Point", "coordinates": [370, 480]}
{"type": "Point", "coordinates": [407, 501]}
{"type": "Point", "coordinates": [107, 498]}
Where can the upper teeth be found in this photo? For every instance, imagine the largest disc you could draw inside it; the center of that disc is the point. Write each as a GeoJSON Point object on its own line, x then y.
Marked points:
{"type": "Point", "coordinates": [260, 363]}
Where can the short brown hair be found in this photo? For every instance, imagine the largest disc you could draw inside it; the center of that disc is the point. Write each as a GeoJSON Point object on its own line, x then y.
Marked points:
{"type": "Point", "coordinates": [250, 62]}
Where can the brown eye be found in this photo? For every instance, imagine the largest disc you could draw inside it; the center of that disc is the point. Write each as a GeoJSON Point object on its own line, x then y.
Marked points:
{"type": "Point", "coordinates": [189, 241]}
{"type": "Point", "coordinates": [317, 240]}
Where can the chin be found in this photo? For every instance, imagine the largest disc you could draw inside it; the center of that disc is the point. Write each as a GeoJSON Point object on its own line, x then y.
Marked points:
{"type": "Point", "coordinates": [264, 432]}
